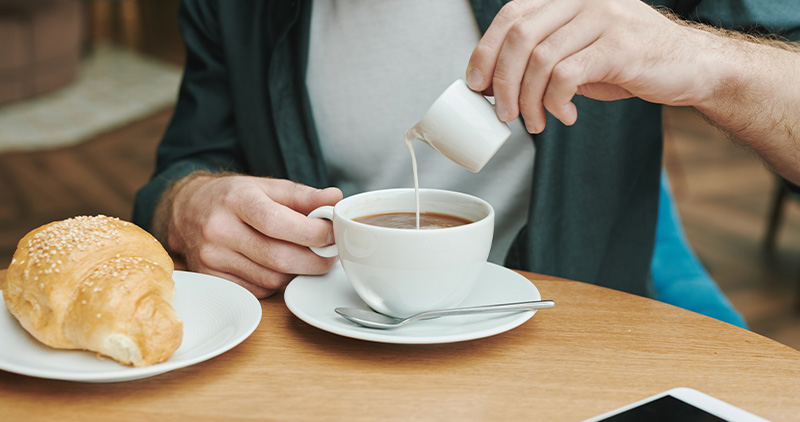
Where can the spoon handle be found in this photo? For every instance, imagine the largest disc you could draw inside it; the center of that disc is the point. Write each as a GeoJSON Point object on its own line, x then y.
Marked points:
{"type": "Point", "coordinates": [504, 307]}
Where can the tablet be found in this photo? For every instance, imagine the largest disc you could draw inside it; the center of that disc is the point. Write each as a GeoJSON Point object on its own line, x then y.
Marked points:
{"type": "Point", "coordinates": [678, 404]}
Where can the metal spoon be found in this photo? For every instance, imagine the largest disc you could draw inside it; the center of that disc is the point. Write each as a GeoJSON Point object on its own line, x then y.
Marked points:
{"type": "Point", "coordinates": [372, 319]}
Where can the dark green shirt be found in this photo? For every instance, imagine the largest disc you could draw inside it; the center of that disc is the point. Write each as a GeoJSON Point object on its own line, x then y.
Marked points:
{"type": "Point", "coordinates": [243, 106]}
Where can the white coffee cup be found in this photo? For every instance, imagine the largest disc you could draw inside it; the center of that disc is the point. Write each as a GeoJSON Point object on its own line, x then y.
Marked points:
{"type": "Point", "coordinates": [400, 272]}
{"type": "Point", "coordinates": [462, 125]}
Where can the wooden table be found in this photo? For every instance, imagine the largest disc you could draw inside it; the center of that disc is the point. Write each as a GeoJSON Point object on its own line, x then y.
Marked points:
{"type": "Point", "coordinates": [596, 350]}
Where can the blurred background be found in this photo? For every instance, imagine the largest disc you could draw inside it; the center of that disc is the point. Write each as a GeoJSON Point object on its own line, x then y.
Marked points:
{"type": "Point", "coordinates": [87, 88]}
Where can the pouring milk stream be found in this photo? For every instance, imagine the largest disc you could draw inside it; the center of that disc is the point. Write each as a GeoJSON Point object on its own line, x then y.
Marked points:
{"type": "Point", "coordinates": [463, 126]}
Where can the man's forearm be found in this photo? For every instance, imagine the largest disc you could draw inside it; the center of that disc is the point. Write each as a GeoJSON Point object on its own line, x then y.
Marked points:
{"type": "Point", "coordinates": [757, 98]}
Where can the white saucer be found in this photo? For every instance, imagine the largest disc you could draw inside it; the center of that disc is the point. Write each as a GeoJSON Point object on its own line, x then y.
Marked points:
{"type": "Point", "coordinates": [313, 298]}
{"type": "Point", "coordinates": [217, 315]}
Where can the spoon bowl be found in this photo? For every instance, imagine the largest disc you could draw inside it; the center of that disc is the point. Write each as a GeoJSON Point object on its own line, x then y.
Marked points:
{"type": "Point", "coordinates": [372, 319]}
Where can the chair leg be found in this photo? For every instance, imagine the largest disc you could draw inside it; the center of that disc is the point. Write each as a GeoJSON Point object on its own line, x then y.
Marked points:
{"type": "Point", "coordinates": [797, 295]}
{"type": "Point", "coordinates": [776, 212]}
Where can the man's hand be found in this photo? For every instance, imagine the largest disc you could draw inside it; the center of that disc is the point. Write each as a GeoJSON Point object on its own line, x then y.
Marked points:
{"type": "Point", "coordinates": [252, 231]}
{"type": "Point", "coordinates": [537, 54]}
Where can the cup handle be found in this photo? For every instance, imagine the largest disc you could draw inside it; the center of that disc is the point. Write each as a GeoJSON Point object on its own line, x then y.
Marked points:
{"type": "Point", "coordinates": [326, 212]}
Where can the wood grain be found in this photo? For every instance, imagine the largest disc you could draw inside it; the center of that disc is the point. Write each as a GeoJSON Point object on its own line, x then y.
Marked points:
{"type": "Point", "coordinates": [596, 350]}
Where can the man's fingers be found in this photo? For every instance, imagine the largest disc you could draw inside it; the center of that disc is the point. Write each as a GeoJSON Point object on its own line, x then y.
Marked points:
{"type": "Point", "coordinates": [270, 211]}
{"type": "Point", "coordinates": [280, 222]}
{"type": "Point", "coordinates": [574, 36]}
{"type": "Point", "coordinates": [530, 57]}
{"type": "Point", "coordinates": [299, 197]}
{"type": "Point", "coordinates": [281, 256]}
{"type": "Point", "coordinates": [264, 267]}
{"type": "Point", "coordinates": [510, 67]}
{"type": "Point", "coordinates": [480, 69]}
{"type": "Point", "coordinates": [583, 68]}
{"type": "Point", "coordinates": [524, 39]}
{"type": "Point", "coordinates": [234, 267]}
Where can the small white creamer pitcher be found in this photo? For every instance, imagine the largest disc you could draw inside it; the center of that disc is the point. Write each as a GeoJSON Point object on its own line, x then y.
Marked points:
{"type": "Point", "coordinates": [462, 125]}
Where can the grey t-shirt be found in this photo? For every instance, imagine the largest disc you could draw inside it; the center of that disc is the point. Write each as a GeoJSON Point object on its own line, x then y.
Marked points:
{"type": "Point", "coordinates": [375, 67]}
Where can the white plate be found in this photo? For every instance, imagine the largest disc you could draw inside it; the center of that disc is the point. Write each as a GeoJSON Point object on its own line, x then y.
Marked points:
{"type": "Point", "coordinates": [313, 299]}
{"type": "Point", "coordinates": [217, 315]}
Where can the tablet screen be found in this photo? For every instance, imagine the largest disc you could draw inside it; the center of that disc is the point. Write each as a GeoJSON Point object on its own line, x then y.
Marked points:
{"type": "Point", "coordinates": [664, 409]}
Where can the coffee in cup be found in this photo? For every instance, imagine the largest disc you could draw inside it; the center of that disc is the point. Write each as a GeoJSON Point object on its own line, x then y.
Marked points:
{"type": "Point", "coordinates": [408, 220]}
{"type": "Point", "coordinates": [403, 271]}
{"type": "Point", "coordinates": [461, 125]}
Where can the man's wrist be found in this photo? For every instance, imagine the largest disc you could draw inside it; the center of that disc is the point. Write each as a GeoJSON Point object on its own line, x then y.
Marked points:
{"type": "Point", "coordinates": [168, 210]}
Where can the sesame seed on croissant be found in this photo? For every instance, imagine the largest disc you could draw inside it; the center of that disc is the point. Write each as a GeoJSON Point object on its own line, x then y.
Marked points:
{"type": "Point", "coordinates": [96, 283]}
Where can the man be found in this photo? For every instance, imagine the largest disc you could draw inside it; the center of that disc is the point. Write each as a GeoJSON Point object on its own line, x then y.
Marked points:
{"type": "Point", "coordinates": [281, 89]}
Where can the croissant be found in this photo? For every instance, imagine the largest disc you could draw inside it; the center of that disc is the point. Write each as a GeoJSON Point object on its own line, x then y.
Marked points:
{"type": "Point", "coordinates": [96, 283]}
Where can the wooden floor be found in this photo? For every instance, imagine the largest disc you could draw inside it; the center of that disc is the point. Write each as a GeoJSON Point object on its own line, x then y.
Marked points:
{"type": "Point", "coordinates": [100, 176]}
